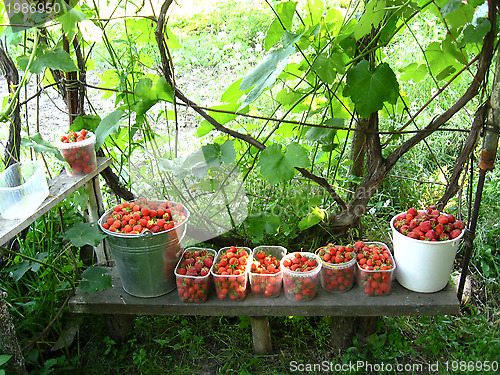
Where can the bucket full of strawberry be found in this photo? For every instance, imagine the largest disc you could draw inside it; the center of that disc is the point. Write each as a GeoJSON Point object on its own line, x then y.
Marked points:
{"type": "Point", "coordinates": [265, 272]}
{"type": "Point", "coordinates": [193, 275]}
{"type": "Point", "coordinates": [230, 272]}
{"type": "Point", "coordinates": [337, 273]}
{"type": "Point", "coordinates": [422, 235]}
{"type": "Point", "coordinates": [144, 237]}
{"type": "Point", "coordinates": [78, 149]}
{"type": "Point", "coordinates": [300, 275]}
{"type": "Point", "coordinates": [375, 268]}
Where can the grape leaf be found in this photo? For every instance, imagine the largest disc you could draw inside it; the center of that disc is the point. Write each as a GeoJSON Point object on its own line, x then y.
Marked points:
{"type": "Point", "coordinates": [312, 218]}
{"type": "Point", "coordinates": [262, 223]}
{"type": "Point", "coordinates": [95, 279]}
{"type": "Point", "coordinates": [265, 73]}
{"type": "Point", "coordinates": [107, 126]}
{"type": "Point", "coordinates": [81, 234]}
{"type": "Point", "coordinates": [285, 11]}
{"type": "Point", "coordinates": [38, 144]}
{"type": "Point", "coordinates": [56, 59]}
{"type": "Point", "coordinates": [324, 68]}
{"type": "Point", "coordinates": [88, 122]}
{"type": "Point", "coordinates": [371, 17]}
{"type": "Point", "coordinates": [370, 89]}
{"type": "Point", "coordinates": [277, 166]}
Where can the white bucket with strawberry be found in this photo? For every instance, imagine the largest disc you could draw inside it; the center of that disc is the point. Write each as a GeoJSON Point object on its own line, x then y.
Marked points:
{"type": "Point", "coordinates": [425, 244]}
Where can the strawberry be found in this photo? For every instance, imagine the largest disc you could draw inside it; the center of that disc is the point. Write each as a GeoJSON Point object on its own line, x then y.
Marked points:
{"type": "Point", "coordinates": [428, 225]}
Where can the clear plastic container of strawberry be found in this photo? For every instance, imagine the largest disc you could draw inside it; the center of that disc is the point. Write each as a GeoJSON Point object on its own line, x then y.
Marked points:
{"type": "Point", "coordinates": [339, 262]}
{"type": "Point", "coordinates": [192, 274]}
{"type": "Point", "coordinates": [78, 149]}
{"type": "Point", "coordinates": [265, 272]}
{"type": "Point", "coordinates": [230, 272]}
{"type": "Point", "coordinates": [375, 268]}
{"type": "Point", "coordinates": [301, 275]}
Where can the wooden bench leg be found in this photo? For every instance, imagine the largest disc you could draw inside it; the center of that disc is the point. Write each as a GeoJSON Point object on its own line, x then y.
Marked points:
{"type": "Point", "coordinates": [342, 332]}
{"type": "Point", "coordinates": [119, 326]}
{"type": "Point", "coordinates": [261, 334]}
{"type": "Point", "coordinates": [365, 327]}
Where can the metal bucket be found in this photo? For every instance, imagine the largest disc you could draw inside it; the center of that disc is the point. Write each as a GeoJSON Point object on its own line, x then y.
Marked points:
{"type": "Point", "coordinates": [146, 261]}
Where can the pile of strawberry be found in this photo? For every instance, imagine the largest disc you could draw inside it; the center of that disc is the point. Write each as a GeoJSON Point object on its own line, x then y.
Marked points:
{"type": "Point", "coordinates": [265, 276]}
{"type": "Point", "coordinates": [193, 274]}
{"type": "Point", "coordinates": [73, 136]}
{"type": "Point", "coordinates": [300, 262]}
{"type": "Point", "coordinates": [81, 159]}
{"type": "Point", "coordinates": [337, 254]}
{"type": "Point", "coordinates": [300, 287]}
{"type": "Point", "coordinates": [337, 274]}
{"type": "Point", "coordinates": [142, 215]}
{"type": "Point", "coordinates": [230, 274]}
{"type": "Point", "coordinates": [428, 225]}
{"type": "Point", "coordinates": [376, 266]}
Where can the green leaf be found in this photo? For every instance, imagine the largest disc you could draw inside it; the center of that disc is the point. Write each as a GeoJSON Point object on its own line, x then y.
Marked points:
{"type": "Point", "coordinates": [4, 358]}
{"type": "Point", "coordinates": [324, 136]}
{"type": "Point", "coordinates": [174, 166]}
{"type": "Point", "coordinates": [324, 68]}
{"type": "Point", "coordinates": [206, 157]}
{"type": "Point", "coordinates": [264, 74]}
{"type": "Point", "coordinates": [232, 93]}
{"type": "Point", "coordinates": [315, 12]}
{"type": "Point", "coordinates": [371, 17]}
{"type": "Point", "coordinates": [88, 122]}
{"type": "Point", "coordinates": [285, 11]}
{"type": "Point", "coordinates": [69, 19]}
{"type": "Point", "coordinates": [40, 145]}
{"type": "Point", "coordinates": [204, 128]}
{"type": "Point", "coordinates": [276, 166]}
{"type": "Point", "coordinates": [95, 279]}
{"type": "Point", "coordinates": [56, 59]}
{"type": "Point", "coordinates": [261, 224]}
{"type": "Point", "coordinates": [314, 217]}
{"type": "Point", "coordinates": [414, 72]}
{"type": "Point", "coordinates": [476, 34]}
{"type": "Point", "coordinates": [370, 89]}
{"type": "Point", "coordinates": [81, 234]}
{"type": "Point", "coordinates": [18, 271]}
{"type": "Point", "coordinates": [171, 39]}
{"type": "Point", "coordinates": [297, 155]}
{"type": "Point", "coordinates": [450, 6]}
{"type": "Point", "coordinates": [108, 125]}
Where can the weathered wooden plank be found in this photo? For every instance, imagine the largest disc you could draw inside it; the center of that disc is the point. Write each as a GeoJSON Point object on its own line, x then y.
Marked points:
{"type": "Point", "coordinates": [60, 188]}
{"type": "Point", "coordinates": [261, 334]}
{"type": "Point", "coordinates": [353, 303]}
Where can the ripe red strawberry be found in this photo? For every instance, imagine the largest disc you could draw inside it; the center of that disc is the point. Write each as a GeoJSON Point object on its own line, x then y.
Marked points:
{"type": "Point", "coordinates": [208, 262]}
{"type": "Point", "coordinates": [428, 225]}
{"type": "Point", "coordinates": [455, 233]}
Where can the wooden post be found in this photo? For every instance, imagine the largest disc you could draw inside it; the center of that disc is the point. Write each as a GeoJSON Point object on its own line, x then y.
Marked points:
{"type": "Point", "coordinates": [119, 326]}
{"type": "Point", "coordinates": [96, 209]}
{"type": "Point", "coordinates": [8, 341]}
{"type": "Point", "coordinates": [341, 332]}
{"type": "Point", "coordinates": [261, 334]}
{"type": "Point", "coordinates": [365, 327]}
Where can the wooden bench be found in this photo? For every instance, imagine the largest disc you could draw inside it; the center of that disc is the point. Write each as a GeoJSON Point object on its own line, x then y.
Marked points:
{"type": "Point", "coordinates": [116, 302]}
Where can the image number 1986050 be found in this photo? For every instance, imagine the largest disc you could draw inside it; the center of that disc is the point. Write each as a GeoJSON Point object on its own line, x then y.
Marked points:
{"type": "Point", "coordinates": [35, 12]}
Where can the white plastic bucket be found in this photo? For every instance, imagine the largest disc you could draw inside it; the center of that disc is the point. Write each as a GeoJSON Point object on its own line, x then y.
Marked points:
{"type": "Point", "coordinates": [423, 266]}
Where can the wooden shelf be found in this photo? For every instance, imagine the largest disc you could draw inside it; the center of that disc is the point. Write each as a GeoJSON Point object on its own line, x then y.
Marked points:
{"type": "Point", "coordinates": [60, 188]}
